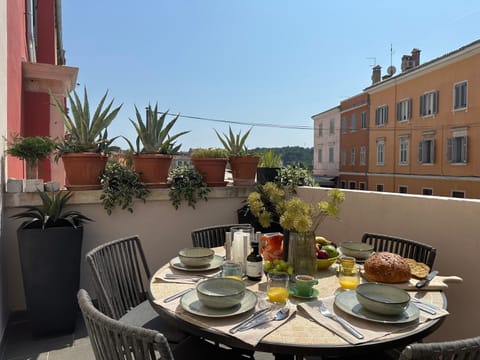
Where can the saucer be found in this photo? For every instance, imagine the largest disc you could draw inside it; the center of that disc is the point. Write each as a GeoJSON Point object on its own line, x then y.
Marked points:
{"type": "Point", "coordinates": [293, 292]}
{"type": "Point", "coordinates": [214, 264]}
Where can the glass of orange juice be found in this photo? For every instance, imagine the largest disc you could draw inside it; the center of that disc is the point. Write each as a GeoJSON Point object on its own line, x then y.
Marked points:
{"type": "Point", "coordinates": [348, 277]}
{"type": "Point", "coordinates": [277, 287]}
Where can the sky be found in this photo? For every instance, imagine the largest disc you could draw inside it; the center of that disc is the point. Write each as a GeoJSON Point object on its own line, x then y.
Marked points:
{"type": "Point", "coordinates": [269, 65]}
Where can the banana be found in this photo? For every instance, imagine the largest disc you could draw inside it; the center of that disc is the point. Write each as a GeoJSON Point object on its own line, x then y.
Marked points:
{"type": "Point", "coordinates": [322, 240]}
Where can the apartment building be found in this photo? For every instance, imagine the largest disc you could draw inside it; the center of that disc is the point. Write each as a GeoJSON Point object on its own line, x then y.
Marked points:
{"type": "Point", "coordinates": [424, 125]}
{"type": "Point", "coordinates": [354, 114]}
{"type": "Point", "coordinates": [326, 145]}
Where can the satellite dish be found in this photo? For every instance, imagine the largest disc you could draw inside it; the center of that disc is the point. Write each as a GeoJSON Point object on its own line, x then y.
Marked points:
{"type": "Point", "coordinates": [391, 70]}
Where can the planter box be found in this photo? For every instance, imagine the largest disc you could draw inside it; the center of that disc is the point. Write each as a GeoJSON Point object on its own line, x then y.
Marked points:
{"type": "Point", "coordinates": [33, 185]}
{"type": "Point", "coordinates": [14, 185]}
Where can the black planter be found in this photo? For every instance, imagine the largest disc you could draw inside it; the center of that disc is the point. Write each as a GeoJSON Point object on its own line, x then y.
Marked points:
{"type": "Point", "coordinates": [245, 217]}
{"type": "Point", "coordinates": [50, 261]}
{"type": "Point", "coordinates": [266, 174]}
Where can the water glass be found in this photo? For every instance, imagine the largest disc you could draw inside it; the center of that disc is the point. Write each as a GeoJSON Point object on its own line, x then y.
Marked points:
{"type": "Point", "coordinates": [277, 287]}
{"type": "Point", "coordinates": [232, 270]}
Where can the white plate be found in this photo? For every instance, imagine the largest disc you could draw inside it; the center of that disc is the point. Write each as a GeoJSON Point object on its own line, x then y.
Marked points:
{"type": "Point", "coordinates": [190, 303]}
{"type": "Point", "coordinates": [214, 264]}
{"type": "Point", "coordinates": [347, 301]}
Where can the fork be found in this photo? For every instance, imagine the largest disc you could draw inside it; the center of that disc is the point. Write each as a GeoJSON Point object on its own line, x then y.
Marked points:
{"type": "Point", "coordinates": [327, 313]}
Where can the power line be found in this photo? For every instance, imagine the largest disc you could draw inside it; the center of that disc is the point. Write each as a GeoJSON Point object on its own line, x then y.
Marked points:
{"type": "Point", "coordinates": [295, 127]}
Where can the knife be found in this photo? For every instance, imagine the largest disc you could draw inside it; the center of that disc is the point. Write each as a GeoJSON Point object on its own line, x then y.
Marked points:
{"type": "Point", "coordinates": [254, 316]}
{"type": "Point", "coordinates": [177, 295]}
{"type": "Point", "coordinates": [425, 281]}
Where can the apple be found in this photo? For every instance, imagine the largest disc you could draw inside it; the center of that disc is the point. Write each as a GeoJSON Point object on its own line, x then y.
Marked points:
{"type": "Point", "coordinates": [322, 254]}
{"type": "Point", "coordinates": [330, 250]}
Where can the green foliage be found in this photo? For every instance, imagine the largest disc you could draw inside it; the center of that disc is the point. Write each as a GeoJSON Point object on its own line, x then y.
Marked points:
{"type": "Point", "coordinates": [292, 155]}
{"type": "Point", "coordinates": [85, 133]}
{"type": "Point", "coordinates": [30, 148]}
{"type": "Point", "coordinates": [293, 176]}
{"type": "Point", "coordinates": [234, 144]}
{"type": "Point", "coordinates": [270, 160]}
{"type": "Point", "coordinates": [153, 133]}
{"type": "Point", "coordinates": [187, 184]}
{"type": "Point", "coordinates": [209, 153]}
{"type": "Point", "coordinates": [51, 213]}
{"type": "Point", "coordinates": [120, 186]}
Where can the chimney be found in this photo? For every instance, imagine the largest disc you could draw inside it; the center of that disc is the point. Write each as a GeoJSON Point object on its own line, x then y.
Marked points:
{"type": "Point", "coordinates": [416, 57]}
{"type": "Point", "coordinates": [376, 74]}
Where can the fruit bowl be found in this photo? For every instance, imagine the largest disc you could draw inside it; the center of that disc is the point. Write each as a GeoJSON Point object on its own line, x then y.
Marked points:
{"type": "Point", "coordinates": [323, 264]}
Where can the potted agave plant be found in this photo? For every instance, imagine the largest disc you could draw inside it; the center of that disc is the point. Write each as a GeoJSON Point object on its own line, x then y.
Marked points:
{"type": "Point", "coordinates": [242, 161]}
{"type": "Point", "coordinates": [155, 146]}
{"type": "Point", "coordinates": [86, 146]}
{"type": "Point", "coordinates": [50, 244]}
{"type": "Point", "coordinates": [211, 163]}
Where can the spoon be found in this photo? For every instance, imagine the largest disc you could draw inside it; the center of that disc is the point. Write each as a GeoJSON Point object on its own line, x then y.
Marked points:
{"type": "Point", "coordinates": [280, 315]}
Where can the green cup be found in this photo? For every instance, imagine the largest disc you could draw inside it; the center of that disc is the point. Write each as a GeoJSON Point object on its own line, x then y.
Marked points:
{"type": "Point", "coordinates": [305, 284]}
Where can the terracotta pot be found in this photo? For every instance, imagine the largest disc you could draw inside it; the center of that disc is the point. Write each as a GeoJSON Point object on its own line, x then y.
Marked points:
{"type": "Point", "coordinates": [244, 169]}
{"type": "Point", "coordinates": [153, 169]}
{"type": "Point", "coordinates": [83, 170]}
{"type": "Point", "coordinates": [212, 169]}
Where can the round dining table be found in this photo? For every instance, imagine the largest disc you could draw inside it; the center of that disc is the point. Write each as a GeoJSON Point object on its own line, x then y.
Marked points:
{"type": "Point", "coordinates": [299, 336]}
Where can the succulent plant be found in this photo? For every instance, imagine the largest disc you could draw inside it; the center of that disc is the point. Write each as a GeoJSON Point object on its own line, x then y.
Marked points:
{"type": "Point", "coordinates": [234, 144]}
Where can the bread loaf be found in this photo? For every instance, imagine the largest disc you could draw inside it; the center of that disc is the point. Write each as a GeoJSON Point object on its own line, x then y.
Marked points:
{"type": "Point", "coordinates": [387, 268]}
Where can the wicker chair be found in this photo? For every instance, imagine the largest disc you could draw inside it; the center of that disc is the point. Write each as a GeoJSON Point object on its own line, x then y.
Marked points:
{"type": "Point", "coordinates": [465, 349]}
{"type": "Point", "coordinates": [407, 248]}
{"type": "Point", "coordinates": [211, 236]}
{"type": "Point", "coordinates": [115, 340]}
{"type": "Point", "coordinates": [120, 272]}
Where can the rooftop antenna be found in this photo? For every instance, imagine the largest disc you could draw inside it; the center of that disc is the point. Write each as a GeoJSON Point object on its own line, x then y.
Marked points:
{"type": "Point", "coordinates": [391, 69]}
{"type": "Point", "coordinates": [374, 61]}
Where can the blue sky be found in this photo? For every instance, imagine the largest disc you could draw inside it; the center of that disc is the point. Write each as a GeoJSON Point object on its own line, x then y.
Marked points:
{"type": "Point", "coordinates": [270, 62]}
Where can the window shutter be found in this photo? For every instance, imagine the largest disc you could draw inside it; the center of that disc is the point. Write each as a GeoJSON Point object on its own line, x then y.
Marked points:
{"type": "Point", "coordinates": [464, 149]}
{"type": "Point", "coordinates": [409, 109]}
{"type": "Point", "coordinates": [420, 155]}
{"type": "Point", "coordinates": [386, 114]}
{"type": "Point", "coordinates": [377, 115]}
{"type": "Point", "coordinates": [449, 149]}
{"type": "Point", "coordinates": [432, 151]}
{"type": "Point", "coordinates": [399, 111]}
{"type": "Point", "coordinates": [422, 105]}
{"type": "Point", "coordinates": [456, 104]}
{"type": "Point", "coordinates": [435, 102]}
{"type": "Point", "coordinates": [464, 95]}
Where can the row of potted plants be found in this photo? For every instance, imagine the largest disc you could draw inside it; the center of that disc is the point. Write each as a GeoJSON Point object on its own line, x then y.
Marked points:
{"type": "Point", "coordinates": [87, 139]}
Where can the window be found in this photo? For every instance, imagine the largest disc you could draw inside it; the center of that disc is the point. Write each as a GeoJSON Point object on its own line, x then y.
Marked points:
{"type": "Point", "coordinates": [362, 186]}
{"type": "Point", "coordinates": [320, 129]}
{"type": "Point", "coordinates": [352, 156]}
{"type": "Point", "coordinates": [404, 151]}
{"type": "Point", "coordinates": [363, 155]}
{"type": "Point", "coordinates": [460, 91]}
{"type": "Point", "coordinates": [379, 187]}
{"type": "Point", "coordinates": [402, 189]}
{"type": "Point", "coordinates": [404, 110]}
{"type": "Point", "coordinates": [381, 115]}
{"type": "Point", "coordinates": [429, 103]}
{"type": "Point", "coordinates": [344, 157]}
{"type": "Point", "coordinates": [352, 185]}
{"type": "Point", "coordinates": [364, 120]}
{"type": "Point", "coordinates": [344, 125]}
{"type": "Point", "coordinates": [343, 184]}
{"type": "Point", "coordinates": [458, 194]}
{"type": "Point", "coordinates": [353, 123]}
{"type": "Point", "coordinates": [426, 151]}
{"type": "Point", "coordinates": [427, 191]}
{"type": "Point", "coordinates": [332, 126]}
{"type": "Point", "coordinates": [331, 153]}
{"type": "Point", "coordinates": [320, 155]}
{"type": "Point", "coordinates": [380, 152]}
{"type": "Point", "coordinates": [457, 149]}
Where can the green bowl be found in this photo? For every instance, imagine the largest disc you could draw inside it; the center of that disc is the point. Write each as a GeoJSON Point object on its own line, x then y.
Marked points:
{"type": "Point", "coordinates": [323, 264]}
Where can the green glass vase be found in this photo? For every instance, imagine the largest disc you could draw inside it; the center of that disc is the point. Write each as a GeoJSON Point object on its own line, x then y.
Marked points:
{"type": "Point", "coordinates": [301, 252]}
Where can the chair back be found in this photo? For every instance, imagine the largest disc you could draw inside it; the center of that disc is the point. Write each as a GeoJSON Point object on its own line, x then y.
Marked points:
{"type": "Point", "coordinates": [211, 236]}
{"type": "Point", "coordinates": [120, 273]}
{"type": "Point", "coordinates": [113, 340]}
{"type": "Point", "coordinates": [464, 349]}
{"type": "Point", "coordinates": [404, 247]}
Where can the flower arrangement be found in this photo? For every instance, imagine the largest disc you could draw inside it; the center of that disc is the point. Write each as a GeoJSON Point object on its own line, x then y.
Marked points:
{"type": "Point", "coordinates": [271, 203]}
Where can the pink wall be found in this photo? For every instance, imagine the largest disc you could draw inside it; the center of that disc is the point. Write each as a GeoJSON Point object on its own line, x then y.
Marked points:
{"type": "Point", "coordinates": [46, 32]}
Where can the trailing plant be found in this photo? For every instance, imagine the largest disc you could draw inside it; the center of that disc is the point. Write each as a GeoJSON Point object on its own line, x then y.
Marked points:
{"type": "Point", "coordinates": [154, 134]}
{"type": "Point", "coordinates": [85, 133]}
{"type": "Point", "coordinates": [51, 213]}
{"type": "Point", "coordinates": [120, 186]}
{"type": "Point", "coordinates": [187, 184]}
{"type": "Point", "coordinates": [213, 153]}
{"type": "Point", "coordinates": [234, 144]}
{"type": "Point", "coordinates": [270, 160]}
{"type": "Point", "coordinates": [31, 149]}
{"type": "Point", "coordinates": [293, 176]}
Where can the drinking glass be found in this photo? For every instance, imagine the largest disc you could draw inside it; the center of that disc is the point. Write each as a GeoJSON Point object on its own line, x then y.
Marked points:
{"type": "Point", "coordinates": [348, 277]}
{"type": "Point", "coordinates": [277, 287]}
{"type": "Point", "coordinates": [232, 270]}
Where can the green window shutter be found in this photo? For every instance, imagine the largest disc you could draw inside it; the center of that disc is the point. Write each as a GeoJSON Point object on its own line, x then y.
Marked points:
{"type": "Point", "coordinates": [435, 102]}
{"type": "Point", "coordinates": [420, 152]}
{"type": "Point", "coordinates": [449, 149]}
